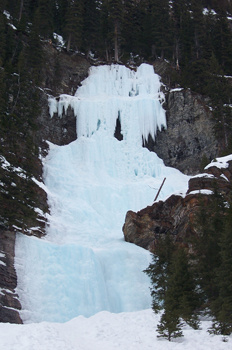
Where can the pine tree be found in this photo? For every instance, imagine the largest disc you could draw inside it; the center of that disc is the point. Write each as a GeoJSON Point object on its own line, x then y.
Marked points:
{"type": "Point", "coordinates": [91, 26]}
{"type": "Point", "coordinates": [182, 31]}
{"type": "Point", "coordinates": [223, 41]}
{"type": "Point", "coordinates": [199, 27]}
{"type": "Point", "coordinates": [2, 38]}
{"type": "Point", "coordinates": [130, 27]}
{"type": "Point", "coordinates": [34, 50]}
{"type": "Point", "coordinates": [45, 18]}
{"type": "Point", "coordinates": [181, 288]}
{"type": "Point", "coordinates": [209, 225]}
{"type": "Point", "coordinates": [159, 270]}
{"type": "Point", "coordinates": [115, 20]}
{"type": "Point", "coordinates": [161, 39]}
{"type": "Point", "coordinates": [170, 325]}
{"type": "Point", "coordinates": [222, 306]}
{"type": "Point", "coordinates": [74, 24]}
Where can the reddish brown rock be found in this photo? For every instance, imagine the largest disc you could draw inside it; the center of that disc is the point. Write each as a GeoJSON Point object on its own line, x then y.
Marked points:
{"type": "Point", "coordinates": [176, 214]}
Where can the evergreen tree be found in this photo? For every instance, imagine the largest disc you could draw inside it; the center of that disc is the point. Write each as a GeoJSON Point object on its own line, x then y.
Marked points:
{"type": "Point", "coordinates": [45, 18]}
{"type": "Point", "coordinates": [182, 290]}
{"type": "Point", "coordinates": [170, 324]}
{"type": "Point", "coordinates": [59, 9]}
{"type": "Point", "coordinates": [182, 31]}
{"type": "Point", "coordinates": [145, 35]}
{"type": "Point", "coordinates": [131, 27]}
{"type": "Point", "coordinates": [74, 24]}
{"type": "Point", "coordinates": [160, 30]}
{"type": "Point", "coordinates": [173, 288]}
{"type": "Point", "coordinates": [91, 26]}
{"type": "Point", "coordinates": [209, 224]}
{"type": "Point", "coordinates": [199, 27]}
{"type": "Point", "coordinates": [115, 20]}
{"type": "Point", "coordinates": [223, 41]}
{"type": "Point", "coordinates": [159, 270]}
{"type": "Point", "coordinates": [2, 38]}
{"type": "Point", "coordinates": [34, 50]}
{"type": "Point", "coordinates": [105, 26]}
{"type": "Point", "coordinates": [222, 306]}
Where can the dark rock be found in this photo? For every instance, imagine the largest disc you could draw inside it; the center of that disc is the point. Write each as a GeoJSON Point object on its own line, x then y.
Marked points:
{"type": "Point", "coordinates": [9, 303]}
{"type": "Point", "coordinates": [63, 73]}
{"type": "Point", "coordinates": [189, 135]}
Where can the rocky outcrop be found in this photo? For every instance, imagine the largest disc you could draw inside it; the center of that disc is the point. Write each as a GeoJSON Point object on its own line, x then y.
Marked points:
{"type": "Point", "coordinates": [63, 73]}
{"type": "Point", "coordinates": [9, 303]}
{"type": "Point", "coordinates": [176, 214]}
{"type": "Point", "coordinates": [189, 136]}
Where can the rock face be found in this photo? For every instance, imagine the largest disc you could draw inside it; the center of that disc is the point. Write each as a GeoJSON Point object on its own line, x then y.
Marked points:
{"type": "Point", "coordinates": [9, 303]}
{"type": "Point", "coordinates": [190, 128]}
{"type": "Point", "coordinates": [176, 214]}
{"type": "Point", "coordinates": [189, 135]}
{"type": "Point", "coordinates": [63, 73]}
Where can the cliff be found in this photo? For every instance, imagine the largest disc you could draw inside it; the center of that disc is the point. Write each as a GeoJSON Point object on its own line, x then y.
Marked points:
{"type": "Point", "coordinates": [176, 214]}
{"type": "Point", "coordinates": [188, 137]}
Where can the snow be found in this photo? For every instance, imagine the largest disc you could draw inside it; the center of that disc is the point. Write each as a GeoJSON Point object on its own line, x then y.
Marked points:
{"type": "Point", "coordinates": [59, 40]}
{"type": "Point", "coordinates": [106, 331]}
{"type": "Point", "coordinates": [224, 177]}
{"type": "Point", "coordinates": [82, 286]}
{"type": "Point", "coordinates": [221, 163]}
{"type": "Point", "coordinates": [207, 192]}
{"type": "Point", "coordinates": [206, 11]}
{"type": "Point", "coordinates": [176, 89]}
{"type": "Point", "coordinates": [7, 14]}
{"type": "Point", "coordinates": [7, 166]}
{"type": "Point", "coordinates": [210, 176]}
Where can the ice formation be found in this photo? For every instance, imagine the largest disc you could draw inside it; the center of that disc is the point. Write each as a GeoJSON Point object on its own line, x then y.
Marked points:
{"type": "Point", "coordinates": [83, 265]}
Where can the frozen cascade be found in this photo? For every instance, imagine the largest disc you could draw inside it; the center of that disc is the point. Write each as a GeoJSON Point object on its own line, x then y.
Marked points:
{"type": "Point", "coordinates": [83, 265]}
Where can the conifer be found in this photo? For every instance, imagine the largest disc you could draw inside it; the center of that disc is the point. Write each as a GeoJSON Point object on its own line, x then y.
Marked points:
{"type": "Point", "coordinates": [115, 20]}
{"type": "Point", "coordinates": [161, 38]}
{"type": "Point", "coordinates": [182, 289]}
{"type": "Point", "coordinates": [159, 270]}
{"type": "Point", "coordinates": [74, 24]}
{"type": "Point", "coordinates": [222, 306]}
{"type": "Point", "coordinates": [170, 325]}
{"type": "Point", "coordinates": [91, 26]}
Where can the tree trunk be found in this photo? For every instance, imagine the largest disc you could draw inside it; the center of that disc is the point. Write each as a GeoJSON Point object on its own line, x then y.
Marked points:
{"type": "Point", "coordinates": [69, 42]}
{"type": "Point", "coordinates": [116, 42]}
{"type": "Point", "coordinates": [21, 10]}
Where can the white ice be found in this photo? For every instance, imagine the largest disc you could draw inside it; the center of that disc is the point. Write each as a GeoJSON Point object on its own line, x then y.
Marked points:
{"type": "Point", "coordinates": [83, 265]}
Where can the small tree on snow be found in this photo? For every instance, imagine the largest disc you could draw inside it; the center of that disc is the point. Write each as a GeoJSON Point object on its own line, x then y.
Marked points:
{"type": "Point", "coordinates": [170, 326]}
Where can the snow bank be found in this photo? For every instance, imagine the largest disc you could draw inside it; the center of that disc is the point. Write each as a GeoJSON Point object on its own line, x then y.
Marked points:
{"type": "Point", "coordinates": [106, 331]}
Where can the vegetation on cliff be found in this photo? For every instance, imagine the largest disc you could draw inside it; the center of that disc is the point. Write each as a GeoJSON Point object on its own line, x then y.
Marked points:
{"type": "Point", "coordinates": [194, 277]}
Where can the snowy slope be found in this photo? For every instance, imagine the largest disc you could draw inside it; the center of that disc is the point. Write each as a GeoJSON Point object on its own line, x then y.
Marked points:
{"type": "Point", "coordinates": [83, 265]}
{"type": "Point", "coordinates": [105, 331]}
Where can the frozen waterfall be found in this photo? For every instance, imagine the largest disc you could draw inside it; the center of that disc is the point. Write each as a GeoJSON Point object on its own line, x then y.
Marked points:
{"type": "Point", "coordinates": [83, 265]}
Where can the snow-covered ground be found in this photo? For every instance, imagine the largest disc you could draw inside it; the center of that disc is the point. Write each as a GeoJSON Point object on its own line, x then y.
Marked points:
{"type": "Point", "coordinates": [83, 279]}
{"type": "Point", "coordinates": [106, 331]}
